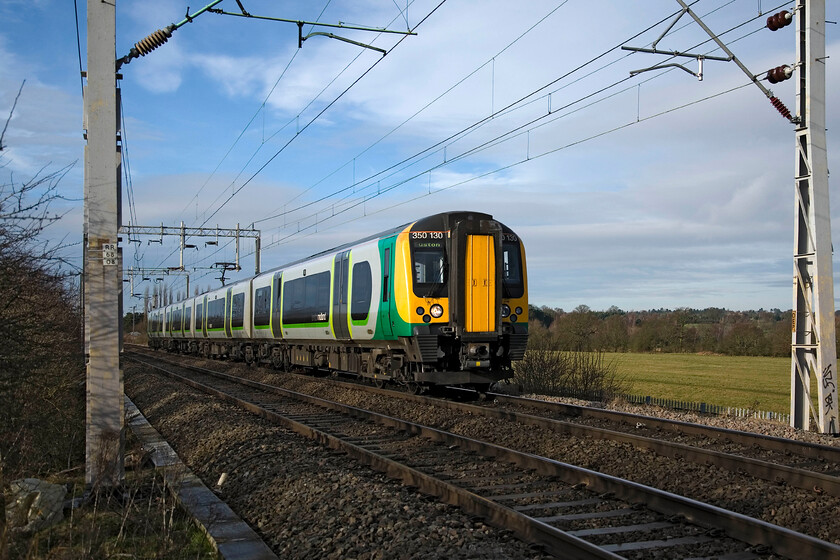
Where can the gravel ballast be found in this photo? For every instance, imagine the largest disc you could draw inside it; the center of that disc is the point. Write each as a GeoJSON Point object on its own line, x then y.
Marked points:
{"type": "Point", "coordinates": [303, 499]}
{"type": "Point", "coordinates": [804, 511]}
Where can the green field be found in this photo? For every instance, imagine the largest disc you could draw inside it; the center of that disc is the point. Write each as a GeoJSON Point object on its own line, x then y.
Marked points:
{"type": "Point", "coordinates": [736, 381]}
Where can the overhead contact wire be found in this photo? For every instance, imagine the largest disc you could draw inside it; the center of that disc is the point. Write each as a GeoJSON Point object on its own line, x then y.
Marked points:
{"type": "Point", "coordinates": [499, 138]}
{"type": "Point", "coordinates": [473, 126]}
{"type": "Point", "coordinates": [310, 122]}
{"type": "Point", "coordinates": [325, 109]}
{"type": "Point", "coordinates": [242, 133]}
{"type": "Point", "coordinates": [502, 168]}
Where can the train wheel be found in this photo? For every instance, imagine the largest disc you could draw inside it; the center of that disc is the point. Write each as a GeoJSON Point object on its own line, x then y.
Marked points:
{"type": "Point", "coordinates": [379, 383]}
{"type": "Point", "coordinates": [481, 389]}
{"type": "Point", "coordinates": [415, 388]}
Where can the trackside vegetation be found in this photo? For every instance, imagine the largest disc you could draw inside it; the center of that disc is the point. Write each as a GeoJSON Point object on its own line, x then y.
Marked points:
{"type": "Point", "coordinates": [738, 359]}
{"type": "Point", "coordinates": [42, 404]}
{"type": "Point", "coordinates": [549, 370]}
{"type": "Point", "coordinates": [746, 382]}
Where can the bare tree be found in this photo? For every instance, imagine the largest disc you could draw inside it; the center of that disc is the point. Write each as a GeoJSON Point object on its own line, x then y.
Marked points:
{"type": "Point", "coordinates": [41, 402]}
{"type": "Point", "coordinates": [41, 363]}
{"type": "Point", "coordinates": [8, 120]}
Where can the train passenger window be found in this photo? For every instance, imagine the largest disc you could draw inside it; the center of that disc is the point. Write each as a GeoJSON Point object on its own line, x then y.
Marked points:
{"type": "Point", "coordinates": [237, 311]}
{"type": "Point", "coordinates": [216, 314]}
{"type": "Point", "coordinates": [512, 284]}
{"type": "Point", "coordinates": [262, 306]}
{"type": "Point", "coordinates": [344, 279]}
{"type": "Point", "coordinates": [188, 318]}
{"type": "Point", "coordinates": [307, 300]}
{"type": "Point", "coordinates": [199, 316]}
{"type": "Point", "coordinates": [362, 291]}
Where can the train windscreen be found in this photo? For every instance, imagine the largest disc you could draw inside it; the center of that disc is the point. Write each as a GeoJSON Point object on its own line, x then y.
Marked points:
{"type": "Point", "coordinates": [512, 282]}
{"type": "Point", "coordinates": [428, 252]}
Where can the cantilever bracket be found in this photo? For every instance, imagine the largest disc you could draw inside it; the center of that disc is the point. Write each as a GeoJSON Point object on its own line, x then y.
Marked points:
{"type": "Point", "coordinates": [700, 57]}
{"type": "Point", "coordinates": [300, 24]}
{"type": "Point", "coordinates": [302, 38]}
{"type": "Point", "coordinates": [698, 74]}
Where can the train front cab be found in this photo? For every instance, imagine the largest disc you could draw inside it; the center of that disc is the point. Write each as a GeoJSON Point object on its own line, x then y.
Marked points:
{"type": "Point", "coordinates": [466, 300]}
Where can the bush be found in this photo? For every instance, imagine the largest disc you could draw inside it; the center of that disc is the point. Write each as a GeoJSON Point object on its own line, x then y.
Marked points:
{"type": "Point", "coordinates": [547, 370]}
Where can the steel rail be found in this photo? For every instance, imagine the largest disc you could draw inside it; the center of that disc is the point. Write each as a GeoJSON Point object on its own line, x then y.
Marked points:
{"type": "Point", "coordinates": [526, 528]}
{"type": "Point", "coordinates": [771, 443]}
{"type": "Point", "coordinates": [753, 531]}
{"type": "Point", "coordinates": [766, 470]}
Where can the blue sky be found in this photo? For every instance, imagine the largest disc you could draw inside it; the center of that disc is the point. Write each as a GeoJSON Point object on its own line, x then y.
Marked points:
{"type": "Point", "coordinates": [646, 192]}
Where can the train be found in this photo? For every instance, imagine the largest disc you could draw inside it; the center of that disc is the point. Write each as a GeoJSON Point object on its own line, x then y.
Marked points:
{"type": "Point", "coordinates": [441, 301]}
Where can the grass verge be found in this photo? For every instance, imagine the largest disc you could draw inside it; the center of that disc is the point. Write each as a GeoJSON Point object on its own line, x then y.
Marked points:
{"type": "Point", "coordinates": [141, 520]}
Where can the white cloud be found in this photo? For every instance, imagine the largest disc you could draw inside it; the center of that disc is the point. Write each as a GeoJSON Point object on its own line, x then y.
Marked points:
{"type": "Point", "coordinates": [690, 208]}
{"type": "Point", "coordinates": [45, 129]}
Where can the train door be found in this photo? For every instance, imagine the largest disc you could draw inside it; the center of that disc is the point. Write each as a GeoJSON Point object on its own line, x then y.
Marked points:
{"type": "Point", "coordinates": [385, 304]}
{"type": "Point", "coordinates": [341, 285]}
{"type": "Point", "coordinates": [228, 314]}
{"type": "Point", "coordinates": [200, 313]}
{"type": "Point", "coordinates": [480, 284]}
{"type": "Point", "coordinates": [276, 305]}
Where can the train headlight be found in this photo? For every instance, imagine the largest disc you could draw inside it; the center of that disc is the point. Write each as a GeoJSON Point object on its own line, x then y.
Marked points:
{"type": "Point", "coordinates": [420, 310]}
{"type": "Point", "coordinates": [505, 310]}
{"type": "Point", "coordinates": [513, 318]}
{"type": "Point", "coordinates": [436, 311]}
{"type": "Point", "coordinates": [519, 311]}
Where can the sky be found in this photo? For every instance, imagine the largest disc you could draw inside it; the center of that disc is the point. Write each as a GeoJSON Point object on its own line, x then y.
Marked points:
{"type": "Point", "coordinates": [650, 191]}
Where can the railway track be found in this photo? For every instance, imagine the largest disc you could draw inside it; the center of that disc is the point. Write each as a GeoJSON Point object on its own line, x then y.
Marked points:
{"type": "Point", "coordinates": [798, 464]}
{"type": "Point", "coordinates": [794, 463]}
{"type": "Point", "coordinates": [573, 512]}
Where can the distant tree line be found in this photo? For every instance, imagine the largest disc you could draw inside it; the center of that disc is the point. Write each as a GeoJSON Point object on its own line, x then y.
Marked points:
{"type": "Point", "coordinates": [713, 330]}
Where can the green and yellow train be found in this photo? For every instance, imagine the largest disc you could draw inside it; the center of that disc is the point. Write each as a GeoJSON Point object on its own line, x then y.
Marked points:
{"type": "Point", "coordinates": [441, 301]}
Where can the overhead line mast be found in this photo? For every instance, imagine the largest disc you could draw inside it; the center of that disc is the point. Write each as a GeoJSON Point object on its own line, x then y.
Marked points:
{"type": "Point", "coordinates": [105, 445]}
{"type": "Point", "coordinates": [813, 350]}
{"type": "Point", "coordinates": [104, 436]}
{"type": "Point", "coordinates": [813, 346]}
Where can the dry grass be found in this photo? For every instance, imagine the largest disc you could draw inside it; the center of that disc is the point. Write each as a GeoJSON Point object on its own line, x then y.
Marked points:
{"type": "Point", "coordinates": [141, 520]}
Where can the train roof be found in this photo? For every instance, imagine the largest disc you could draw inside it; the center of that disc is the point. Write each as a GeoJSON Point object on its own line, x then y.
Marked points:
{"type": "Point", "coordinates": [442, 217]}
